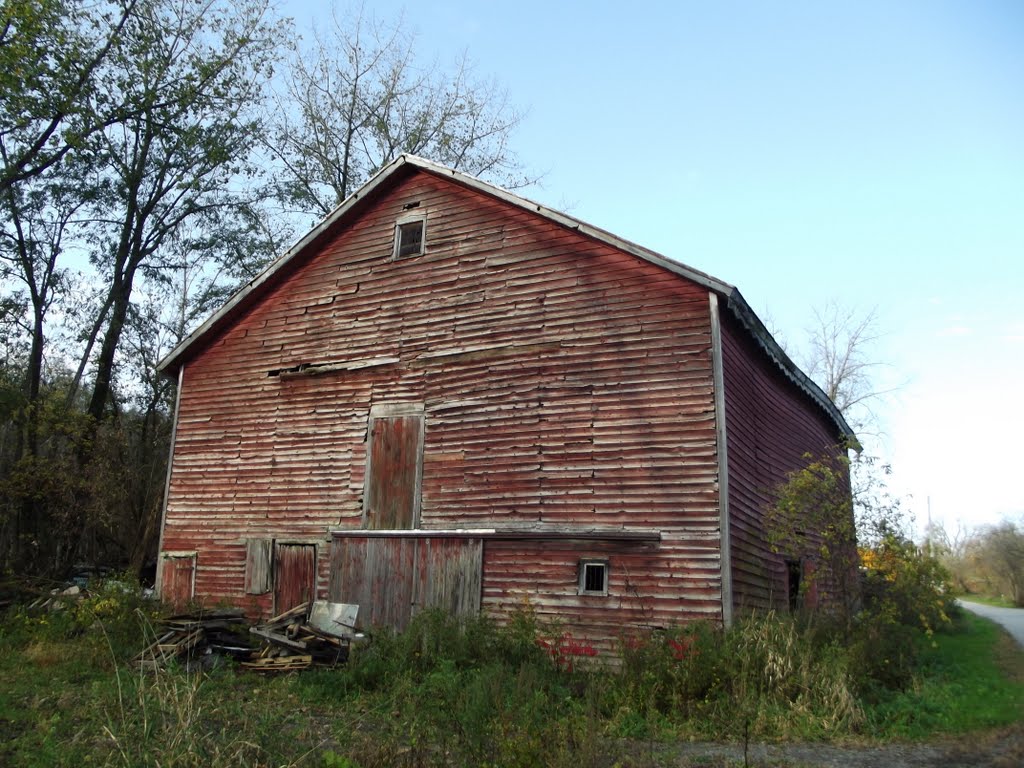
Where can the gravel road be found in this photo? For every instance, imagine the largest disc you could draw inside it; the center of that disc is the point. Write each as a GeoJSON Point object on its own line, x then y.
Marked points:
{"type": "Point", "coordinates": [1011, 618]}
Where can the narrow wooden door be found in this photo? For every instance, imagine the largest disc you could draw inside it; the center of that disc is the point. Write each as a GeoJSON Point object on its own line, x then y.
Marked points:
{"type": "Point", "coordinates": [294, 575]}
{"type": "Point", "coordinates": [177, 579]}
{"type": "Point", "coordinates": [395, 456]}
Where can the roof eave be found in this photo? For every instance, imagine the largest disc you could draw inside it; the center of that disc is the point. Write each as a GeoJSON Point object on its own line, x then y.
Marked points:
{"type": "Point", "coordinates": [763, 337]}
{"type": "Point", "coordinates": [172, 359]}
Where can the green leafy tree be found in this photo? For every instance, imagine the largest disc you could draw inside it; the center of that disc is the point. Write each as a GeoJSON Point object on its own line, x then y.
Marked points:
{"type": "Point", "coordinates": [1001, 550]}
{"type": "Point", "coordinates": [812, 520]}
{"type": "Point", "coordinates": [192, 72]}
{"type": "Point", "coordinates": [51, 52]}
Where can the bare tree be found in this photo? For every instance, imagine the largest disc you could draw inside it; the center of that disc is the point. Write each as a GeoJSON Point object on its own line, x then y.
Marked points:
{"type": "Point", "coordinates": [839, 358]}
{"type": "Point", "coordinates": [842, 357]}
{"type": "Point", "coordinates": [358, 97]}
{"type": "Point", "coordinates": [1002, 557]}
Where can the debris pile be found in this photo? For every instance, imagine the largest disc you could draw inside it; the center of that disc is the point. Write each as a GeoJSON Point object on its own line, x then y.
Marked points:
{"type": "Point", "coordinates": [215, 631]}
{"type": "Point", "coordinates": [57, 599]}
{"type": "Point", "coordinates": [292, 642]}
{"type": "Point", "coordinates": [296, 639]}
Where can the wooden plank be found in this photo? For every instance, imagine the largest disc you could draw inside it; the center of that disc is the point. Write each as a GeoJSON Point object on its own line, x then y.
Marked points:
{"type": "Point", "coordinates": [279, 663]}
{"type": "Point", "coordinates": [278, 639]}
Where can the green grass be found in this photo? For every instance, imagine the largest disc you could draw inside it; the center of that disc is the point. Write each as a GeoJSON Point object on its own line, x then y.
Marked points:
{"type": "Point", "coordinates": [969, 679]}
{"type": "Point", "coordinates": [479, 696]}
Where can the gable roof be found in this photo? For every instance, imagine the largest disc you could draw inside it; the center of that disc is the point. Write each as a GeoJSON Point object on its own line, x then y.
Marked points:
{"type": "Point", "coordinates": [406, 164]}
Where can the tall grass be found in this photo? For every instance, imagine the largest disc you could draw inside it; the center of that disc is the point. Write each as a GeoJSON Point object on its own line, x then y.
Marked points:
{"type": "Point", "coordinates": [453, 693]}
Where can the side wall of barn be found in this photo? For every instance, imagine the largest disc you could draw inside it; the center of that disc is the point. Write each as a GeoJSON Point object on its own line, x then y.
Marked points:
{"type": "Point", "coordinates": [771, 426]}
{"type": "Point", "coordinates": [563, 383]}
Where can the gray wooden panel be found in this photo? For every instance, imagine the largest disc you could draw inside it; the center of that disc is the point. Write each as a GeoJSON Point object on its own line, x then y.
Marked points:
{"type": "Point", "coordinates": [392, 578]}
{"type": "Point", "coordinates": [449, 575]}
{"type": "Point", "coordinates": [258, 566]}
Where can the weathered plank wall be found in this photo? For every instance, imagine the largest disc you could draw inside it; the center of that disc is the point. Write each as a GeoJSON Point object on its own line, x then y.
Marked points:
{"type": "Point", "coordinates": [563, 382]}
{"type": "Point", "coordinates": [771, 426]}
{"type": "Point", "coordinates": [392, 579]}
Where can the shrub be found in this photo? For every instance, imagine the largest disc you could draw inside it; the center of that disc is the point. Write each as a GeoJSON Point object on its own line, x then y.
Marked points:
{"type": "Point", "coordinates": [672, 671]}
{"type": "Point", "coordinates": [907, 584]}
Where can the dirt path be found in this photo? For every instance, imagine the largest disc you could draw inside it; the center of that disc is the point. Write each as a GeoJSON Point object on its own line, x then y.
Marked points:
{"type": "Point", "coordinates": [1002, 749]}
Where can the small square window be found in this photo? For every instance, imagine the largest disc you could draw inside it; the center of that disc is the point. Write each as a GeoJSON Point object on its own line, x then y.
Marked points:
{"type": "Point", "coordinates": [409, 237]}
{"type": "Point", "coordinates": [593, 577]}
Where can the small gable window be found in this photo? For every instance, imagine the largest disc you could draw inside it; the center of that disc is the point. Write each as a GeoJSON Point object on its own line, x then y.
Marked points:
{"type": "Point", "coordinates": [593, 577]}
{"type": "Point", "coordinates": [410, 236]}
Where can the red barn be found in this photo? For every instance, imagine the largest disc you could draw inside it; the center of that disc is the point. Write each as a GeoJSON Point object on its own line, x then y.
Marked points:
{"type": "Point", "coordinates": [447, 395]}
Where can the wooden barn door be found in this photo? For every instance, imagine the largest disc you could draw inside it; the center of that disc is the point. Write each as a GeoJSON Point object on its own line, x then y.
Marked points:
{"type": "Point", "coordinates": [294, 575]}
{"type": "Point", "coordinates": [394, 468]}
{"type": "Point", "coordinates": [178, 578]}
{"type": "Point", "coordinates": [391, 578]}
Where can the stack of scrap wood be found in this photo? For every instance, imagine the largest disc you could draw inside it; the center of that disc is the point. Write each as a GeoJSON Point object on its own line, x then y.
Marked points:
{"type": "Point", "coordinates": [184, 633]}
{"type": "Point", "coordinates": [291, 642]}
{"type": "Point", "coordinates": [58, 599]}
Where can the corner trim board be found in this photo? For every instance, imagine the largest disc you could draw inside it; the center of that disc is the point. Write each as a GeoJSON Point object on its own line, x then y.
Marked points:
{"type": "Point", "coordinates": [725, 536]}
{"type": "Point", "coordinates": [167, 483]}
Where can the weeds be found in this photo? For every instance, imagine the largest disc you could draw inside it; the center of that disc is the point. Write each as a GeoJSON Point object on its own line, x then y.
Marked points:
{"type": "Point", "coordinates": [450, 693]}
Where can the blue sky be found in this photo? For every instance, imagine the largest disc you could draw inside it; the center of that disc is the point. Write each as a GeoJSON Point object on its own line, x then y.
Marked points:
{"type": "Point", "coordinates": [870, 153]}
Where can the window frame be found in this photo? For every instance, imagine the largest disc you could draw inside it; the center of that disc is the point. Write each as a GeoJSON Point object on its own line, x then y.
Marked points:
{"type": "Point", "coordinates": [405, 221]}
{"type": "Point", "coordinates": [585, 565]}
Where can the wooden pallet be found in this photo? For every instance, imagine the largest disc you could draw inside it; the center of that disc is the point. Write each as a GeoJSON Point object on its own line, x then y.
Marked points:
{"type": "Point", "coordinates": [278, 663]}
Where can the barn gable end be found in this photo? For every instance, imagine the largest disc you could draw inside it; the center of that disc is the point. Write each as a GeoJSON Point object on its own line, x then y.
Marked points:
{"type": "Point", "coordinates": [498, 406]}
{"type": "Point", "coordinates": [563, 385]}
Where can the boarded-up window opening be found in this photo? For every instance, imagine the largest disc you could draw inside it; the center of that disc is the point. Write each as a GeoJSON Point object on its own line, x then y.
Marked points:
{"type": "Point", "coordinates": [258, 566]}
{"type": "Point", "coordinates": [593, 577]}
{"type": "Point", "coordinates": [793, 583]}
{"type": "Point", "coordinates": [394, 467]}
{"type": "Point", "coordinates": [410, 237]}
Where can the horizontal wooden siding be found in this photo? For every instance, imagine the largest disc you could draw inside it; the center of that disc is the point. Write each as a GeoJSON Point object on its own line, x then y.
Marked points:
{"type": "Point", "coordinates": [563, 383]}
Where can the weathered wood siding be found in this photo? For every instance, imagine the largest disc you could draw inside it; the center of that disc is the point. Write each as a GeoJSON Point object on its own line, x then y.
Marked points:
{"type": "Point", "coordinates": [563, 383]}
{"type": "Point", "coordinates": [771, 425]}
{"type": "Point", "coordinates": [646, 588]}
{"type": "Point", "coordinates": [391, 579]}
